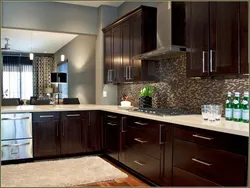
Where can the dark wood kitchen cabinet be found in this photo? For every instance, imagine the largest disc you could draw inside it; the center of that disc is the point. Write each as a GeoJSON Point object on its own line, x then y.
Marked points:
{"type": "Point", "coordinates": [214, 35]}
{"type": "Point", "coordinates": [46, 136]}
{"type": "Point", "coordinates": [197, 38]}
{"type": "Point", "coordinates": [93, 131]}
{"type": "Point", "coordinates": [133, 34]}
{"type": "Point", "coordinates": [72, 132]}
{"type": "Point", "coordinates": [208, 158]}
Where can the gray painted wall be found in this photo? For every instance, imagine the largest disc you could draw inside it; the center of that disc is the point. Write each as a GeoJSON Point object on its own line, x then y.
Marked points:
{"type": "Point", "coordinates": [80, 53]}
{"type": "Point", "coordinates": [50, 16]}
{"type": "Point", "coordinates": [126, 7]}
{"type": "Point", "coordinates": [106, 15]}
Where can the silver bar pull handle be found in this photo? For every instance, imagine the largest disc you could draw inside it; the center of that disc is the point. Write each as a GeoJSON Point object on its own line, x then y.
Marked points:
{"type": "Point", "coordinates": [73, 115]}
{"type": "Point", "coordinates": [139, 140]}
{"type": "Point", "coordinates": [137, 162]}
{"type": "Point", "coordinates": [126, 72]}
{"type": "Point", "coordinates": [108, 76]}
{"type": "Point", "coordinates": [201, 162]}
{"type": "Point", "coordinates": [139, 123]}
{"type": "Point", "coordinates": [10, 145]}
{"type": "Point", "coordinates": [202, 137]}
{"type": "Point", "coordinates": [47, 116]}
{"type": "Point", "coordinates": [113, 117]}
{"type": "Point", "coordinates": [211, 61]}
{"type": "Point", "coordinates": [129, 76]}
{"type": "Point", "coordinates": [21, 118]}
{"type": "Point", "coordinates": [112, 124]}
{"type": "Point", "coordinates": [203, 61]}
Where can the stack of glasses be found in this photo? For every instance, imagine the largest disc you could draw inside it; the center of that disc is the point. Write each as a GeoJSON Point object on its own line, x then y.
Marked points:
{"type": "Point", "coordinates": [211, 112]}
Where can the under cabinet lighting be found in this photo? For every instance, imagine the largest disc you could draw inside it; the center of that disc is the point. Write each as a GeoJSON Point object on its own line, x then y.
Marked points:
{"type": "Point", "coordinates": [62, 57]}
{"type": "Point", "coordinates": [31, 56]}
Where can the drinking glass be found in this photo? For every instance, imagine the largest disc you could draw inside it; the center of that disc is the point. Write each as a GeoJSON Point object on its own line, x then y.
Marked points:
{"type": "Point", "coordinates": [211, 113]}
{"type": "Point", "coordinates": [218, 112]}
{"type": "Point", "coordinates": [204, 111]}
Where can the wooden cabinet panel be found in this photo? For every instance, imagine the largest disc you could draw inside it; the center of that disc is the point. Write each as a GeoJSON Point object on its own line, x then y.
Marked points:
{"type": "Point", "coordinates": [244, 38]}
{"type": "Point", "coordinates": [93, 131]}
{"type": "Point", "coordinates": [184, 178]}
{"type": "Point", "coordinates": [197, 38]}
{"type": "Point", "coordinates": [224, 38]}
{"type": "Point", "coordinates": [108, 62]}
{"type": "Point", "coordinates": [72, 134]}
{"type": "Point", "coordinates": [219, 166]}
{"type": "Point", "coordinates": [46, 141]}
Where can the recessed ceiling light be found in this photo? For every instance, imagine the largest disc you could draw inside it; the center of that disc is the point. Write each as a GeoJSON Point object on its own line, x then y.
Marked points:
{"type": "Point", "coordinates": [34, 33]}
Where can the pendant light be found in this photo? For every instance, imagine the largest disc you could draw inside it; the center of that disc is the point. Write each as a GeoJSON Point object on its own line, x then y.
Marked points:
{"type": "Point", "coordinates": [62, 56]}
{"type": "Point", "coordinates": [31, 54]}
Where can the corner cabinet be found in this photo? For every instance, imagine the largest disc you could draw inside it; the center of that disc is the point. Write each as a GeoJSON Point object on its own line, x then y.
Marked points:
{"type": "Point", "coordinates": [133, 34]}
{"type": "Point", "coordinates": [216, 35]}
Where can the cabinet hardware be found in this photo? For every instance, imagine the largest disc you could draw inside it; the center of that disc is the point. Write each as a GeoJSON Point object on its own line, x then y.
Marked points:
{"type": "Point", "coordinates": [139, 123]}
{"type": "Point", "coordinates": [201, 162]}
{"type": "Point", "coordinates": [21, 118]}
{"type": "Point", "coordinates": [108, 76]}
{"type": "Point", "coordinates": [129, 72]}
{"type": "Point", "coordinates": [63, 128]}
{"type": "Point", "coordinates": [73, 115]}
{"type": "Point", "coordinates": [113, 117]}
{"type": "Point", "coordinates": [112, 124]}
{"type": "Point", "coordinates": [47, 116]}
{"type": "Point", "coordinates": [203, 61]}
{"type": "Point", "coordinates": [211, 61]}
{"type": "Point", "coordinates": [160, 141]}
{"type": "Point", "coordinates": [202, 137]}
{"type": "Point", "coordinates": [10, 145]}
{"type": "Point", "coordinates": [141, 164]}
{"type": "Point", "coordinates": [126, 72]}
{"type": "Point", "coordinates": [139, 140]}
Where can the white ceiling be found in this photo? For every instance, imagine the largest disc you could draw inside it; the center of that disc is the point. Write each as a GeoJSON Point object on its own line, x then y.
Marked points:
{"type": "Point", "coordinates": [40, 41]}
{"type": "Point", "coordinates": [94, 3]}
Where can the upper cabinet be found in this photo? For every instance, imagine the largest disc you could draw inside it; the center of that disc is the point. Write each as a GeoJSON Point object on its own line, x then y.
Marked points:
{"type": "Point", "coordinates": [216, 35]}
{"type": "Point", "coordinates": [133, 34]}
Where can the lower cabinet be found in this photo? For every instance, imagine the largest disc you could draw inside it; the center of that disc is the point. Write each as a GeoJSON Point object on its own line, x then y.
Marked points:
{"type": "Point", "coordinates": [74, 132]}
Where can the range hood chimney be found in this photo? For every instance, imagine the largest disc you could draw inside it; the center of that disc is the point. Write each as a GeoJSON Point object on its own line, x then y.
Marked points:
{"type": "Point", "coordinates": [170, 32]}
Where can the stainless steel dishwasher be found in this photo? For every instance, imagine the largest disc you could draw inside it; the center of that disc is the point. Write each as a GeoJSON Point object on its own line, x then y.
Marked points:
{"type": "Point", "coordinates": [16, 136]}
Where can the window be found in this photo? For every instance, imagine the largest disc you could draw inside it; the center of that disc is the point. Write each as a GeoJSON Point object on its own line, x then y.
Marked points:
{"type": "Point", "coordinates": [17, 77]}
{"type": "Point", "coordinates": [63, 87]}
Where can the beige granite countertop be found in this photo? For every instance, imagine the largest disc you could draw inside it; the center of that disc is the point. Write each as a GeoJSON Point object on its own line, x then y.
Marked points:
{"type": "Point", "coordinates": [236, 128]}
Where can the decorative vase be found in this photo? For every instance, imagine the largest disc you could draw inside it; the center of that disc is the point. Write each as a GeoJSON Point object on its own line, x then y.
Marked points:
{"type": "Point", "coordinates": [145, 102]}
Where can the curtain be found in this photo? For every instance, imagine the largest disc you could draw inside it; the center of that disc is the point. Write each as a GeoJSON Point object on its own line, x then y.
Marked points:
{"type": "Point", "coordinates": [17, 77]}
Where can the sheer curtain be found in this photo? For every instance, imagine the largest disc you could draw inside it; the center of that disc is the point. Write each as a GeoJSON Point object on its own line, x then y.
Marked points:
{"type": "Point", "coordinates": [17, 77]}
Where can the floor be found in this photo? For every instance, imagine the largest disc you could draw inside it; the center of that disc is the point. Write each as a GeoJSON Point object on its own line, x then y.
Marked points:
{"type": "Point", "coordinates": [129, 181]}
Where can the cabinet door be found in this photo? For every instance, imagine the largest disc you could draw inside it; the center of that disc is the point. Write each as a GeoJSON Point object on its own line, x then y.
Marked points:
{"type": "Point", "coordinates": [224, 38]}
{"type": "Point", "coordinates": [126, 58]}
{"type": "Point", "coordinates": [93, 131]}
{"type": "Point", "coordinates": [72, 137]}
{"type": "Point", "coordinates": [244, 38]}
{"type": "Point", "coordinates": [112, 139]}
{"type": "Point", "coordinates": [46, 138]}
{"type": "Point", "coordinates": [136, 46]}
{"type": "Point", "coordinates": [116, 73]}
{"type": "Point", "coordinates": [197, 38]}
{"type": "Point", "coordinates": [108, 57]}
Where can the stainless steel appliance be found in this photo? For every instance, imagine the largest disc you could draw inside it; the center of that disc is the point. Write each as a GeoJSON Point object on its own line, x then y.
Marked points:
{"type": "Point", "coordinates": [164, 111]}
{"type": "Point", "coordinates": [16, 136]}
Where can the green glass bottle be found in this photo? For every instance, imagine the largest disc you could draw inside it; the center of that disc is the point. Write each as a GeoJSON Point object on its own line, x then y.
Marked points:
{"type": "Point", "coordinates": [229, 107]}
{"type": "Point", "coordinates": [245, 107]}
{"type": "Point", "coordinates": [236, 107]}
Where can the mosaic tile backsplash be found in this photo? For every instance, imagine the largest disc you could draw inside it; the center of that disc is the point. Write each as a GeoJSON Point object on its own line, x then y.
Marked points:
{"type": "Point", "coordinates": [176, 90]}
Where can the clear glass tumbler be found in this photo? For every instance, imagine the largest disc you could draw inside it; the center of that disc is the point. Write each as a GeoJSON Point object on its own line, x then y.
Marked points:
{"type": "Point", "coordinates": [204, 111]}
{"type": "Point", "coordinates": [211, 112]}
{"type": "Point", "coordinates": [218, 112]}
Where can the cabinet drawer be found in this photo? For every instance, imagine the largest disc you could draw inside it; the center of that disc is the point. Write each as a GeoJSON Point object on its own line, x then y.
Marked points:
{"type": "Point", "coordinates": [144, 165]}
{"type": "Point", "coordinates": [145, 124]}
{"type": "Point", "coordinates": [145, 142]}
{"type": "Point", "coordinates": [45, 116]}
{"type": "Point", "coordinates": [112, 117]}
{"type": "Point", "coordinates": [219, 166]}
{"type": "Point", "coordinates": [184, 178]}
{"type": "Point", "coordinates": [73, 115]}
{"type": "Point", "coordinates": [228, 142]}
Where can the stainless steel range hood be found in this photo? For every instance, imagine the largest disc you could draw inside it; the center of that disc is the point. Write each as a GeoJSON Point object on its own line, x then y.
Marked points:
{"type": "Point", "coordinates": [170, 32]}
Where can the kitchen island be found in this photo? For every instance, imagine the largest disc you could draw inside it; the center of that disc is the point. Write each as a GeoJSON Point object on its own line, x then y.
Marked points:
{"type": "Point", "coordinates": [181, 150]}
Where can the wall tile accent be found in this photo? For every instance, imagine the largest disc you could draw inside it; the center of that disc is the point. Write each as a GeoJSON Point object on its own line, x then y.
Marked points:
{"type": "Point", "coordinates": [176, 90]}
{"type": "Point", "coordinates": [42, 67]}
